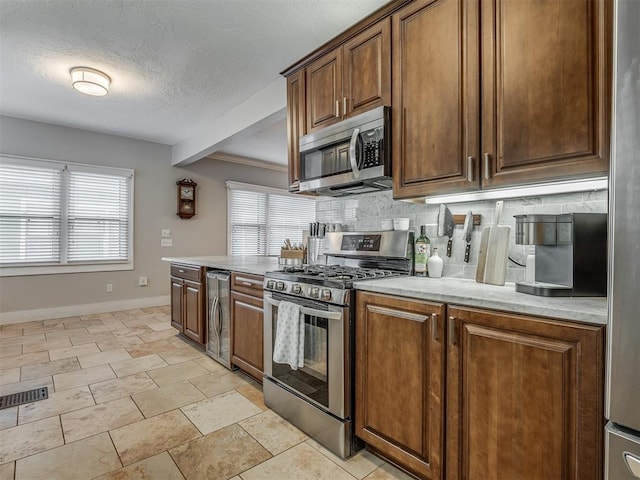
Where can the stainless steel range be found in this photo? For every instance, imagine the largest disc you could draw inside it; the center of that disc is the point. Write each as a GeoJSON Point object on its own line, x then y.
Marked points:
{"type": "Point", "coordinates": [316, 394]}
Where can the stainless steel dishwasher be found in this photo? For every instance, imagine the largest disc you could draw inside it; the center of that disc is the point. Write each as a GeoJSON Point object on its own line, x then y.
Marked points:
{"type": "Point", "coordinates": [218, 318]}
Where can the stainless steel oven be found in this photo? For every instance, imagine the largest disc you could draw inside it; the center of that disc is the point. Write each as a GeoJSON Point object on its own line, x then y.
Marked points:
{"type": "Point", "coordinates": [325, 412]}
{"type": "Point", "coordinates": [321, 380]}
{"type": "Point", "coordinates": [318, 396]}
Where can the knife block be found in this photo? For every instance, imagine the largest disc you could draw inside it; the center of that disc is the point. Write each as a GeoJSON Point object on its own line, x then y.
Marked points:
{"type": "Point", "coordinates": [291, 257]}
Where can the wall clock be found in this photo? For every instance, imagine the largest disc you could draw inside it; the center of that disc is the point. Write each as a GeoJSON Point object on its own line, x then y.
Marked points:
{"type": "Point", "coordinates": [186, 198]}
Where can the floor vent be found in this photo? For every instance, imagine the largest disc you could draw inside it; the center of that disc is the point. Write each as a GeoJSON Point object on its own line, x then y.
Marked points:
{"type": "Point", "coordinates": [7, 401]}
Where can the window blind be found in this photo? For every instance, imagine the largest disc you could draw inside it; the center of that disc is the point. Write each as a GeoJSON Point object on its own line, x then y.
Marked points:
{"type": "Point", "coordinates": [248, 223]}
{"type": "Point", "coordinates": [98, 226]}
{"type": "Point", "coordinates": [54, 213]}
{"type": "Point", "coordinates": [260, 219]}
{"type": "Point", "coordinates": [288, 217]}
{"type": "Point", "coordinates": [29, 213]}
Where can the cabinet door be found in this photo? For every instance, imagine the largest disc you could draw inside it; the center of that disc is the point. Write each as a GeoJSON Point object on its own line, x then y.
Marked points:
{"type": "Point", "coordinates": [546, 81]}
{"type": "Point", "coordinates": [296, 123]}
{"type": "Point", "coordinates": [193, 311]}
{"type": "Point", "coordinates": [176, 303]}
{"type": "Point", "coordinates": [399, 380]}
{"type": "Point", "coordinates": [524, 397]}
{"type": "Point", "coordinates": [324, 91]}
{"type": "Point", "coordinates": [435, 98]}
{"type": "Point", "coordinates": [247, 334]}
{"type": "Point", "coordinates": [367, 70]}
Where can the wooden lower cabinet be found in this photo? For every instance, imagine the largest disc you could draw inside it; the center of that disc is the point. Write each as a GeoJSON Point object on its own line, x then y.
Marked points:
{"type": "Point", "coordinates": [194, 295]}
{"type": "Point", "coordinates": [247, 315]}
{"type": "Point", "coordinates": [188, 302]}
{"type": "Point", "coordinates": [176, 303]}
{"type": "Point", "coordinates": [524, 397]}
{"type": "Point", "coordinates": [399, 380]}
{"type": "Point", "coordinates": [247, 334]}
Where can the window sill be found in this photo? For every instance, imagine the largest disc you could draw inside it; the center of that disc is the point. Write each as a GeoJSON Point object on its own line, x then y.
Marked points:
{"type": "Point", "coordinates": [57, 269]}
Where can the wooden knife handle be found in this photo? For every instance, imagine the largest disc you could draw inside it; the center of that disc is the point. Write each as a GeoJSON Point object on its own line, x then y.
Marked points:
{"type": "Point", "coordinates": [449, 247]}
{"type": "Point", "coordinates": [467, 250]}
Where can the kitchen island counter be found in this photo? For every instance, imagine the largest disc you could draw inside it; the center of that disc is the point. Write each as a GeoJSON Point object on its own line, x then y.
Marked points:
{"type": "Point", "coordinates": [466, 292]}
{"type": "Point", "coordinates": [255, 264]}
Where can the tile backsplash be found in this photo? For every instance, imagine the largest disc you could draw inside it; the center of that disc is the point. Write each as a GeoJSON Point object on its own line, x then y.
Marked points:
{"type": "Point", "coordinates": [365, 212]}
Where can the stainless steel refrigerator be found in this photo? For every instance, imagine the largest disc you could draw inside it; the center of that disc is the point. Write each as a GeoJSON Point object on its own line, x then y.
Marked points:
{"type": "Point", "coordinates": [622, 435]}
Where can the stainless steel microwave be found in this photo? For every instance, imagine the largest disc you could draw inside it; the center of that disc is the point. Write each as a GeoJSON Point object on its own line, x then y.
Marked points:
{"type": "Point", "coordinates": [352, 156]}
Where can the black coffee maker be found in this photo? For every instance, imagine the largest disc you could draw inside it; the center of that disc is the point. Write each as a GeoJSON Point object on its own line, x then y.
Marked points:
{"type": "Point", "coordinates": [570, 254]}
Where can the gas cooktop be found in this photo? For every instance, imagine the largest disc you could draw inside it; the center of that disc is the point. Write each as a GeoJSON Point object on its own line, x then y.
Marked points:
{"type": "Point", "coordinates": [330, 283]}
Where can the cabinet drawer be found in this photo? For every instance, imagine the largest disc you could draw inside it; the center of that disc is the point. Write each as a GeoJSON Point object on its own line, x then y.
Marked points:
{"type": "Point", "coordinates": [187, 272]}
{"type": "Point", "coordinates": [247, 283]}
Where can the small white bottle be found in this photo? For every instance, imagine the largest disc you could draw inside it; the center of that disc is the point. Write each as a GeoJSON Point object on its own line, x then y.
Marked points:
{"type": "Point", "coordinates": [530, 266]}
{"type": "Point", "coordinates": [435, 264]}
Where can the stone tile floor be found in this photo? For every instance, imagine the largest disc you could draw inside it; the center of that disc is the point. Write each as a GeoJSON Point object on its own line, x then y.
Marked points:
{"type": "Point", "coordinates": [131, 399]}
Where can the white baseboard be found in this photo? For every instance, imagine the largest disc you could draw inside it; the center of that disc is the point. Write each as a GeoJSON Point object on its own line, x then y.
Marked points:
{"type": "Point", "coordinates": [22, 316]}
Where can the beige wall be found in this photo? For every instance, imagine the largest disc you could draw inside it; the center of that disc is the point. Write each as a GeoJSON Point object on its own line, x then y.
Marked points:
{"type": "Point", "coordinates": [155, 208]}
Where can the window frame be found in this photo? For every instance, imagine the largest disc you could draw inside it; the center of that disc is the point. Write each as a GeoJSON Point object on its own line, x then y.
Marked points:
{"type": "Point", "coordinates": [233, 185]}
{"type": "Point", "coordinates": [16, 270]}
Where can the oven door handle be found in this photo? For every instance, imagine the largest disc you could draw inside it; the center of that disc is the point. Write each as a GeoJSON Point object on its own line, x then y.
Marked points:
{"type": "Point", "coordinates": [353, 159]}
{"type": "Point", "coordinates": [310, 311]}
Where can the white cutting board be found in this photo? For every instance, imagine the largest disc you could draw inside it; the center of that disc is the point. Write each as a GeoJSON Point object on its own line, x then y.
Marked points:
{"type": "Point", "coordinates": [494, 250]}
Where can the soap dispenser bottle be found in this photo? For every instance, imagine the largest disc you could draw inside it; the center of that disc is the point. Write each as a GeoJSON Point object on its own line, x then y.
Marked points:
{"type": "Point", "coordinates": [435, 264]}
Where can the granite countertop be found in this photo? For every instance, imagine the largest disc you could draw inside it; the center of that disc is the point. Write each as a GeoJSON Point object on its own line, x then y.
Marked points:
{"type": "Point", "coordinates": [459, 291]}
{"type": "Point", "coordinates": [453, 291]}
{"type": "Point", "coordinates": [258, 265]}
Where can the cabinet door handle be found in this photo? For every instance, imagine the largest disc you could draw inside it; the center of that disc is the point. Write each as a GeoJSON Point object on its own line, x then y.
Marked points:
{"type": "Point", "coordinates": [487, 166]}
{"type": "Point", "coordinates": [182, 271]}
{"type": "Point", "coordinates": [434, 327]}
{"type": "Point", "coordinates": [338, 108]}
{"type": "Point", "coordinates": [470, 169]}
{"type": "Point", "coordinates": [452, 330]}
{"type": "Point", "coordinates": [344, 105]}
{"type": "Point", "coordinates": [248, 282]}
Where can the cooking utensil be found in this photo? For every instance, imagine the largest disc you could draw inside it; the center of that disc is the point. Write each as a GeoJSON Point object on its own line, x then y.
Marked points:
{"type": "Point", "coordinates": [467, 229]}
{"type": "Point", "coordinates": [446, 225]}
{"type": "Point", "coordinates": [494, 250]}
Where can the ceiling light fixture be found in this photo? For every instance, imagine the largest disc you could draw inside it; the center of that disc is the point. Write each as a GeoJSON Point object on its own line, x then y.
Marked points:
{"type": "Point", "coordinates": [90, 81]}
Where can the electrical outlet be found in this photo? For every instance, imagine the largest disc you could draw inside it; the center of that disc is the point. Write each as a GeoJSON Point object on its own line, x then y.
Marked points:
{"type": "Point", "coordinates": [109, 287]}
{"type": "Point", "coordinates": [166, 242]}
{"type": "Point", "coordinates": [166, 232]}
{"type": "Point", "coordinates": [142, 281]}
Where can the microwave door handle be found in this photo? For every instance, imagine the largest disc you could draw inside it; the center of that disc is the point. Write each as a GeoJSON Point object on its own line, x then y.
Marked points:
{"type": "Point", "coordinates": [310, 311]}
{"type": "Point", "coordinates": [352, 153]}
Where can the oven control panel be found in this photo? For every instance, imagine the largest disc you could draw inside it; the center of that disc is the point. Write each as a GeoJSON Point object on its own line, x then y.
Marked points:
{"type": "Point", "coordinates": [315, 292]}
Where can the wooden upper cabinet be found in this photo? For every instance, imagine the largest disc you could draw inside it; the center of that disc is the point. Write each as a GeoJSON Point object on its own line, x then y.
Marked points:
{"type": "Point", "coordinates": [366, 70]}
{"type": "Point", "coordinates": [524, 397]}
{"type": "Point", "coordinates": [435, 98]}
{"type": "Point", "coordinates": [399, 380]}
{"type": "Point", "coordinates": [296, 123]}
{"type": "Point", "coordinates": [350, 79]}
{"type": "Point", "coordinates": [546, 82]}
{"type": "Point", "coordinates": [324, 91]}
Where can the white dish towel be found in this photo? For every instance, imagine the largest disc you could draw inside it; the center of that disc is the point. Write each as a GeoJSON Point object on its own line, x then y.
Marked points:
{"type": "Point", "coordinates": [289, 344]}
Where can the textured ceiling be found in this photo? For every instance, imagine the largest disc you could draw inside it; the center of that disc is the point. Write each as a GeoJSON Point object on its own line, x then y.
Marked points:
{"type": "Point", "coordinates": [175, 64]}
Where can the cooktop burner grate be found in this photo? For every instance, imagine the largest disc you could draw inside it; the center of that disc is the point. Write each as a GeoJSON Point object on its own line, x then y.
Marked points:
{"type": "Point", "coordinates": [338, 272]}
